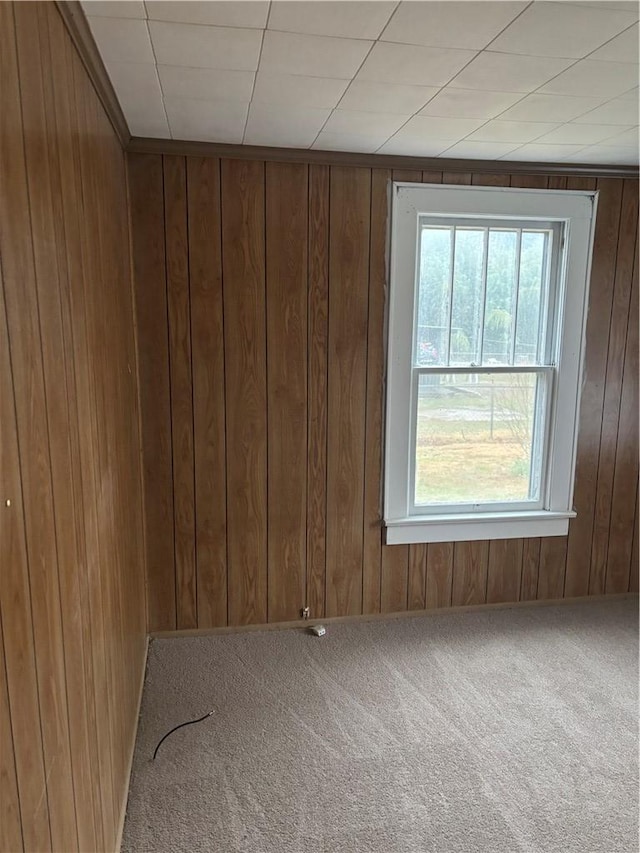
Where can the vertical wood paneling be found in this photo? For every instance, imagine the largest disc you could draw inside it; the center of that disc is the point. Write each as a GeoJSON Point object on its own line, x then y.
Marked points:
{"type": "Point", "coordinates": [504, 572]}
{"type": "Point", "coordinates": [178, 302]}
{"type": "Point", "coordinates": [530, 566]}
{"type": "Point", "coordinates": [484, 179]}
{"type": "Point", "coordinates": [618, 329]}
{"type": "Point", "coordinates": [598, 319]}
{"type": "Point", "coordinates": [286, 248]}
{"type": "Point", "coordinates": [625, 478]}
{"type": "Point", "coordinates": [417, 589]}
{"type": "Point", "coordinates": [374, 421]}
{"type": "Point", "coordinates": [15, 604]}
{"type": "Point", "coordinates": [551, 567]}
{"type": "Point", "coordinates": [45, 194]}
{"type": "Point", "coordinates": [456, 178]}
{"type": "Point", "coordinates": [470, 562]}
{"type": "Point", "coordinates": [35, 460]}
{"type": "Point", "coordinates": [534, 182]}
{"type": "Point", "coordinates": [348, 310]}
{"type": "Point", "coordinates": [207, 349]}
{"type": "Point", "coordinates": [72, 606]}
{"type": "Point", "coordinates": [634, 579]}
{"type": "Point", "coordinates": [394, 581]}
{"type": "Point", "coordinates": [346, 564]}
{"type": "Point", "coordinates": [243, 237]}
{"type": "Point", "coordinates": [318, 307]}
{"type": "Point", "coordinates": [89, 415]}
{"type": "Point", "coordinates": [70, 254]}
{"type": "Point", "coordinates": [148, 257]}
{"type": "Point", "coordinates": [439, 580]}
{"type": "Point", "coordinates": [101, 595]}
{"type": "Point", "coordinates": [10, 828]}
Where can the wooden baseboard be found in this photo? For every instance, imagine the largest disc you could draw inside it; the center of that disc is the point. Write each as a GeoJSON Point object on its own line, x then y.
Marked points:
{"type": "Point", "coordinates": [372, 617]}
{"type": "Point", "coordinates": [132, 747]}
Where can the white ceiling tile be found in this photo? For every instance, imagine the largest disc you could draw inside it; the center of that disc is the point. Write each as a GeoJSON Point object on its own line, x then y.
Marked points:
{"type": "Point", "coordinates": [139, 78]}
{"type": "Point", "coordinates": [594, 79]}
{"type": "Point", "coordinates": [479, 150]}
{"type": "Point", "coordinates": [561, 29]}
{"type": "Point", "coordinates": [499, 103]}
{"type": "Point", "coordinates": [621, 110]}
{"type": "Point", "coordinates": [122, 39]}
{"type": "Point", "coordinates": [415, 146]}
{"type": "Point", "coordinates": [360, 20]}
{"type": "Point", "coordinates": [386, 97]}
{"type": "Point", "coordinates": [623, 48]}
{"type": "Point", "coordinates": [574, 134]}
{"type": "Point", "coordinates": [363, 123]}
{"type": "Point", "coordinates": [205, 47]}
{"type": "Point", "coordinates": [622, 5]}
{"type": "Point", "coordinates": [228, 13]}
{"type": "Point", "coordinates": [469, 103]}
{"type": "Point", "coordinates": [206, 121]}
{"type": "Point", "coordinates": [434, 128]}
{"type": "Point", "coordinates": [602, 154]}
{"type": "Point", "coordinates": [450, 24]}
{"type": "Point", "coordinates": [206, 83]}
{"type": "Point", "coordinates": [296, 128]}
{"type": "Point", "coordinates": [537, 107]}
{"type": "Point", "coordinates": [541, 153]}
{"type": "Point", "coordinates": [348, 142]}
{"type": "Point", "coordinates": [626, 138]}
{"type": "Point", "coordinates": [114, 8]}
{"type": "Point", "coordinates": [417, 66]}
{"type": "Point", "coordinates": [146, 118]}
{"type": "Point", "coordinates": [512, 131]}
{"type": "Point", "coordinates": [312, 56]}
{"type": "Point", "coordinates": [138, 89]}
{"type": "Point", "coordinates": [502, 72]}
{"type": "Point", "coordinates": [290, 90]}
{"type": "Point", "coordinates": [623, 157]}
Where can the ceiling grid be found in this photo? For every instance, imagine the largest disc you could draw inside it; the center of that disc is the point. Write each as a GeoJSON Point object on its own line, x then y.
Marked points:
{"type": "Point", "coordinates": [522, 81]}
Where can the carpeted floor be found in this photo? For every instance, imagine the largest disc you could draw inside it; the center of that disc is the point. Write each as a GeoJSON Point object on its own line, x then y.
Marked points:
{"type": "Point", "coordinates": [481, 732]}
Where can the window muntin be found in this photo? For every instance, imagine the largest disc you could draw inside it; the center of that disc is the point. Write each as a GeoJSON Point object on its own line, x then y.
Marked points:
{"type": "Point", "coordinates": [525, 259]}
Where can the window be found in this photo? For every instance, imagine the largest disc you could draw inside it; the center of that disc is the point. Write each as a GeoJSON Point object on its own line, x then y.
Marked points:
{"type": "Point", "coordinates": [486, 326]}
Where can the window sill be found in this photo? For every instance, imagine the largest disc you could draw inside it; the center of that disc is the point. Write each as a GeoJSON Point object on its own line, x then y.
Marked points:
{"type": "Point", "coordinates": [465, 528]}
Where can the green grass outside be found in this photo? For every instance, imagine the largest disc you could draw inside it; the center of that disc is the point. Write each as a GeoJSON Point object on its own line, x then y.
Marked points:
{"type": "Point", "coordinates": [459, 456]}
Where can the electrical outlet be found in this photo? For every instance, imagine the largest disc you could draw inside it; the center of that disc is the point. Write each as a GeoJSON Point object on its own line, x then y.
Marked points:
{"type": "Point", "coordinates": [304, 612]}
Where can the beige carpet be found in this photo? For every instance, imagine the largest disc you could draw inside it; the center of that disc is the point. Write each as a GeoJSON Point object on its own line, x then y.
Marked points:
{"type": "Point", "coordinates": [501, 731]}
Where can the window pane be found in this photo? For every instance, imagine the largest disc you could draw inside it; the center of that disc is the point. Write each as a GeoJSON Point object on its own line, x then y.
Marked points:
{"type": "Point", "coordinates": [528, 348]}
{"type": "Point", "coordinates": [432, 326]}
{"type": "Point", "coordinates": [501, 297]}
{"type": "Point", "coordinates": [468, 296]}
{"type": "Point", "coordinates": [478, 438]}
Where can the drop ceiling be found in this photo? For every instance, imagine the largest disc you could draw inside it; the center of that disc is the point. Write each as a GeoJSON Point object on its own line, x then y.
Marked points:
{"type": "Point", "coordinates": [540, 81]}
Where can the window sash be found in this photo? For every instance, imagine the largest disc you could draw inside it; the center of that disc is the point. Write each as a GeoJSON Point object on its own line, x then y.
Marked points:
{"type": "Point", "coordinates": [540, 443]}
{"type": "Point", "coordinates": [548, 284]}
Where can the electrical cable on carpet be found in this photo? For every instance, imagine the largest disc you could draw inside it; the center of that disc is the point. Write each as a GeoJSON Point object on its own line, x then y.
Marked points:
{"type": "Point", "coordinates": [175, 729]}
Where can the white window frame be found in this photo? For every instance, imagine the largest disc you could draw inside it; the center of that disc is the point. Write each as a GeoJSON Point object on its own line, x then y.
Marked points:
{"type": "Point", "coordinates": [575, 211]}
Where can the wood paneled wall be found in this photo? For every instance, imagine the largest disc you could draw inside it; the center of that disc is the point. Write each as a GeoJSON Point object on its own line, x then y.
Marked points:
{"type": "Point", "coordinates": [260, 290]}
{"type": "Point", "coordinates": [72, 600]}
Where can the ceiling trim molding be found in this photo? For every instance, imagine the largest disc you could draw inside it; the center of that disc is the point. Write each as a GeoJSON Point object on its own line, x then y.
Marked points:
{"type": "Point", "coordinates": [140, 145]}
{"type": "Point", "coordinates": [78, 28]}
